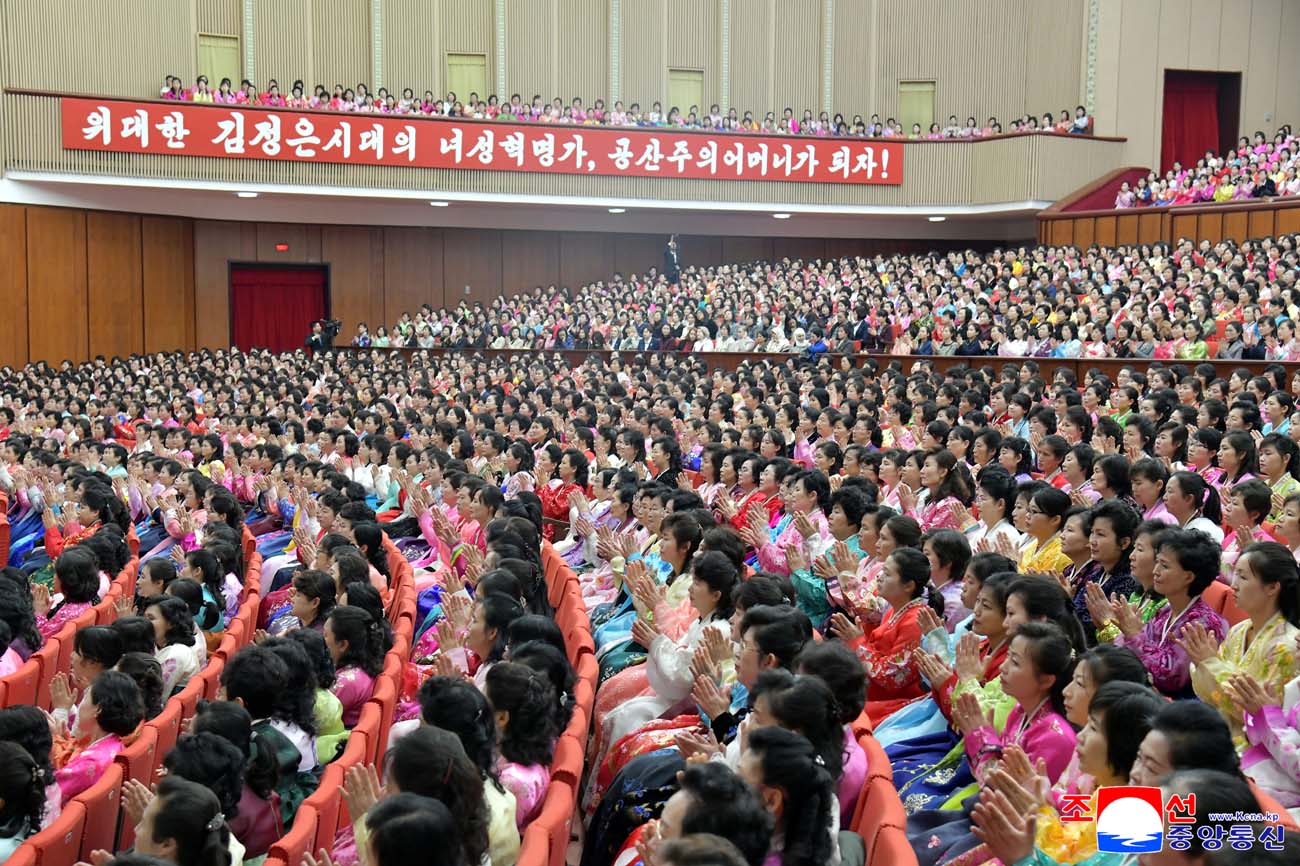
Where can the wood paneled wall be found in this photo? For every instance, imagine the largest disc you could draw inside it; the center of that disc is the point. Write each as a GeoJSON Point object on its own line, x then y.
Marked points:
{"type": "Point", "coordinates": [76, 283]}
{"type": "Point", "coordinates": [1139, 39]}
{"type": "Point", "coordinates": [1150, 225]}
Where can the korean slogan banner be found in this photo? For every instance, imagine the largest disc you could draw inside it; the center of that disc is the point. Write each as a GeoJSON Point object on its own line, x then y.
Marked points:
{"type": "Point", "coordinates": [236, 132]}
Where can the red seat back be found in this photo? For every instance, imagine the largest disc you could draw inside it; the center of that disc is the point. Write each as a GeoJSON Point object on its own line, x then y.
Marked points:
{"type": "Point", "coordinates": [60, 843]}
{"type": "Point", "coordinates": [102, 801]}
{"type": "Point", "coordinates": [20, 686]}
{"type": "Point", "coordinates": [48, 655]}
{"type": "Point", "coordinates": [299, 839]}
{"type": "Point", "coordinates": [326, 801]}
{"type": "Point", "coordinates": [168, 725]}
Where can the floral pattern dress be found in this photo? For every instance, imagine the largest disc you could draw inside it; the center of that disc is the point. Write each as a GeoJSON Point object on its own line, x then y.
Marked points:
{"type": "Point", "coordinates": [1269, 658]}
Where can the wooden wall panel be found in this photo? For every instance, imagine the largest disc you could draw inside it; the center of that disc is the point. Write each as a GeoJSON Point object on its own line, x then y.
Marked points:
{"type": "Point", "coordinates": [644, 54]}
{"type": "Point", "coordinates": [532, 61]}
{"type": "Point", "coordinates": [1184, 225]}
{"type": "Point", "coordinates": [466, 27]}
{"type": "Point", "coordinates": [473, 259]}
{"type": "Point", "coordinates": [743, 250]}
{"type": "Point", "coordinates": [282, 44]}
{"type": "Point", "coordinates": [695, 42]}
{"type": "Point", "coordinates": [697, 250]}
{"type": "Point", "coordinates": [355, 294]}
{"type": "Point", "coordinates": [579, 54]}
{"type": "Point", "coordinates": [799, 34]}
{"type": "Point", "coordinates": [61, 46]}
{"type": "Point", "coordinates": [1126, 229]}
{"type": "Point", "coordinates": [413, 262]}
{"type": "Point", "coordinates": [304, 243]}
{"type": "Point", "coordinates": [798, 248]}
{"type": "Point", "coordinates": [1288, 220]}
{"type": "Point", "coordinates": [585, 258]}
{"type": "Point", "coordinates": [1260, 223]}
{"type": "Point", "coordinates": [114, 283]}
{"type": "Point", "coordinates": [1149, 228]}
{"type": "Point", "coordinates": [529, 259]}
{"type": "Point", "coordinates": [219, 17]}
{"type": "Point", "coordinates": [1236, 226]}
{"type": "Point", "coordinates": [168, 270]}
{"type": "Point", "coordinates": [340, 50]}
{"type": "Point", "coordinates": [1105, 232]}
{"type": "Point", "coordinates": [852, 51]}
{"type": "Point", "coordinates": [412, 56]}
{"type": "Point", "coordinates": [1084, 233]}
{"type": "Point", "coordinates": [13, 285]}
{"type": "Point", "coordinates": [1209, 226]}
{"type": "Point", "coordinates": [753, 40]}
{"type": "Point", "coordinates": [636, 254]}
{"type": "Point", "coordinates": [56, 284]}
{"type": "Point", "coordinates": [216, 245]}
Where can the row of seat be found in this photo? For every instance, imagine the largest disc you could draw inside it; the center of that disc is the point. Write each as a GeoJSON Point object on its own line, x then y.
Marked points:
{"type": "Point", "coordinates": [93, 819]}
{"type": "Point", "coordinates": [322, 814]}
{"type": "Point", "coordinates": [879, 817]}
{"type": "Point", "coordinates": [546, 839]}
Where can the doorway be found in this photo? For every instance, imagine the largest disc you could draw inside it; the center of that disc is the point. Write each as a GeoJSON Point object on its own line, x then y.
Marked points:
{"type": "Point", "coordinates": [273, 306]}
{"type": "Point", "coordinates": [1201, 112]}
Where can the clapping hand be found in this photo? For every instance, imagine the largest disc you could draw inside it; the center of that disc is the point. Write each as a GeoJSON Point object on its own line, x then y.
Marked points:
{"type": "Point", "coordinates": [906, 498]}
{"type": "Point", "coordinates": [644, 632]}
{"type": "Point", "coordinates": [459, 610]}
{"type": "Point", "coordinates": [967, 662]}
{"type": "Point", "coordinates": [1099, 606]}
{"type": "Point", "coordinates": [803, 525]}
{"type": "Point", "coordinates": [968, 715]}
{"type": "Point", "coordinates": [709, 697]}
{"type": "Point", "coordinates": [931, 667]}
{"type": "Point", "coordinates": [135, 799]}
{"type": "Point", "coordinates": [1248, 694]}
{"type": "Point", "coordinates": [1008, 833]}
{"type": "Point", "coordinates": [41, 599]}
{"type": "Point", "coordinates": [846, 629]}
{"type": "Point", "coordinates": [1126, 615]}
{"type": "Point", "coordinates": [1197, 642]}
{"type": "Point", "coordinates": [362, 789]}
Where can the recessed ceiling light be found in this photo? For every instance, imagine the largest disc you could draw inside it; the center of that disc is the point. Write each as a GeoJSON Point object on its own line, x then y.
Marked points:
{"type": "Point", "coordinates": [439, 204]}
{"type": "Point", "coordinates": [937, 219]}
{"type": "Point", "coordinates": [618, 210]}
{"type": "Point", "coordinates": [246, 194]}
{"type": "Point", "coordinates": [780, 216]}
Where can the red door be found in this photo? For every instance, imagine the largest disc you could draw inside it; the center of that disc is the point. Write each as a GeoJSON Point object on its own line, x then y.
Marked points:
{"type": "Point", "coordinates": [274, 308]}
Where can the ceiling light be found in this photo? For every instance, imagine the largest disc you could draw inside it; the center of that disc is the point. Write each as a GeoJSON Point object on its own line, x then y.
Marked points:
{"type": "Point", "coordinates": [246, 194]}
{"type": "Point", "coordinates": [937, 219]}
{"type": "Point", "coordinates": [439, 204]}
{"type": "Point", "coordinates": [780, 216]}
{"type": "Point", "coordinates": [618, 210]}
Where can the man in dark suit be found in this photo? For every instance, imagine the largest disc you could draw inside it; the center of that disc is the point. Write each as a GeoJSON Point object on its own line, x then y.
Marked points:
{"type": "Point", "coordinates": [672, 264]}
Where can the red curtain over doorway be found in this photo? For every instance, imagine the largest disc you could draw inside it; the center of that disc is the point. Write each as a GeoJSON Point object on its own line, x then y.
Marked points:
{"type": "Point", "coordinates": [1191, 117]}
{"type": "Point", "coordinates": [273, 308]}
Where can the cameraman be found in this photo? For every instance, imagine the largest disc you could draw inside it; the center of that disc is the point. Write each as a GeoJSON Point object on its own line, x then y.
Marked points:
{"type": "Point", "coordinates": [323, 332]}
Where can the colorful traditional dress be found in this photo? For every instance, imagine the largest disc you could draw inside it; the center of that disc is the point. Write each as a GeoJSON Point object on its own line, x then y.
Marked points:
{"type": "Point", "coordinates": [886, 654]}
{"type": "Point", "coordinates": [1156, 645]}
{"type": "Point", "coordinates": [1269, 658]}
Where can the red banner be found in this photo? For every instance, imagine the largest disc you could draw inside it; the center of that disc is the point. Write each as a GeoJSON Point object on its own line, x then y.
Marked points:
{"type": "Point", "coordinates": [236, 132]}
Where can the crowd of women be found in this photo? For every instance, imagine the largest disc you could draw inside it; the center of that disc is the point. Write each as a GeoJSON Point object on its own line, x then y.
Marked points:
{"type": "Point", "coordinates": [1029, 586]}
{"type": "Point", "coordinates": [1165, 302]}
{"type": "Point", "coordinates": [515, 110]}
{"type": "Point", "coordinates": [1256, 168]}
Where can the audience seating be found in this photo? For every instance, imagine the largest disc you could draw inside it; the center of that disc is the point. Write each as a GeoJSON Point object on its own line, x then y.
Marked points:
{"type": "Point", "coordinates": [60, 843]}
{"type": "Point", "coordinates": [299, 839]}
{"type": "Point", "coordinates": [21, 686]}
{"type": "Point", "coordinates": [101, 801]}
{"type": "Point", "coordinates": [48, 655]}
{"type": "Point", "coordinates": [168, 725]}
{"type": "Point", "coordinates": [325, 802]}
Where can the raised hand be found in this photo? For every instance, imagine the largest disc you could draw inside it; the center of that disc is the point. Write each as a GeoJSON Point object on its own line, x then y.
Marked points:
{"type": "Point", "coordinates": [362, 789]}
{"type": "Point", "coordinates": [928, 620]}
{"type": "Point", "coordinates": [719, 645]}
{"type": "Point", "coordinates": [1099, 606]}
{"type": "Point", "coordinates": [40, 599]}
{"type": "Point", "coordinates": [1008, 832]}
{"type": "Point", "coordinates": [135, 799]}
{"type": "Point", "coordinates": [1126, 615]}
{"type": "Point", "coordinates": [795, 559]}
{"type": "Point", "coordinates": [459, 610]}
{"type": "Point", "coordinates": [1197, 642]}
{"type": "Point", "coordinates": [847, 630]}
{"type": "Point", "coordinates": [931, 667]}
{"type": "Point", "coordinates": [709, 697]}
{"type": "Point", "coordinates": [644, 633]}
{"type": "Point", "coordinates": [1248, 694]}
{"type": "Point", "coordinates": [906, 498]}
{"type": "Point", "coordinates": [803, 525]}
{"type": "Point", "coordinates": [61, 694]}
{"type": "Point", "coordinates": [967, 661]}
{"type": "Point", "coordinates": [845, 560]}
{"type": "Point", "coordinates": [968, 715]}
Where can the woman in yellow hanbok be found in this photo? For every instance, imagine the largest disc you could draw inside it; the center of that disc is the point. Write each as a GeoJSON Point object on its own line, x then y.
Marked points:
{"type": "Point", "coordinates": [1266, 582]}
{"type": "Point", "coordinates": [1046, 519]}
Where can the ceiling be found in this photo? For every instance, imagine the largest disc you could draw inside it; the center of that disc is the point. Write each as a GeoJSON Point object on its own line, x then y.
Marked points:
{"type": "Point", "coordinates": [1013, 221]}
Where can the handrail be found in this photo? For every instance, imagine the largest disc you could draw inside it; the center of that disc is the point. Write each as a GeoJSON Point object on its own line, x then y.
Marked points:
{"type": "Point", "coordinates": [57, 94]}
{"type": "Point", "coordinates": [1050, 214]}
